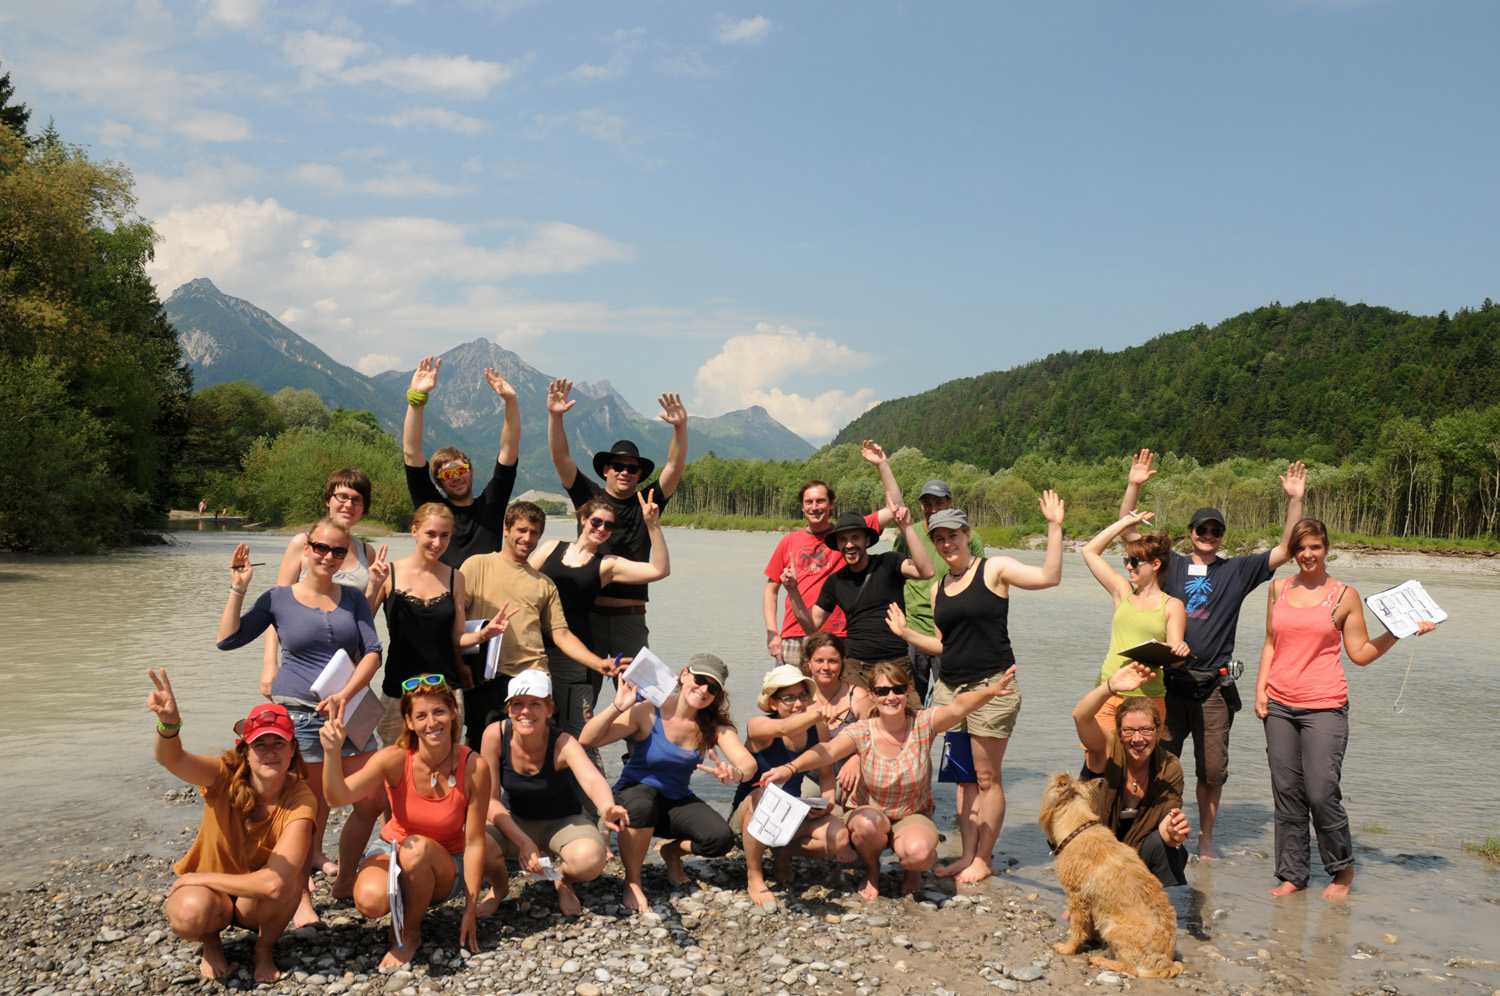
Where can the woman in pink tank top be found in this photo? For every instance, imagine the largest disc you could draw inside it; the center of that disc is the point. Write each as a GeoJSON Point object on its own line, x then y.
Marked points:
{"type": "Point", "coordinates": [439, 791]}
{"type": "Point", "coordinates": [1302, 698]}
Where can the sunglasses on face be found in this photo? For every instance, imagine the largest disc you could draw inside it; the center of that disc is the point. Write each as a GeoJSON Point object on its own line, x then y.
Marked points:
{"type": "Point", "coordinates": [431, 680]}
{"type": "Point", "coordinates": [324, 550]}
{"type": "Point", "coordinates": [344, 499]}
{"type": "Point", "coordinates": [791, 698]}
{"type": "Point", "coordinates": [1215, 531]}
{"type": "Point", "coordinates": [608, 525]}
{"type": "Point", "coordinates": [624, 468]}
{"type": "Point", "coordinates": [881, 691]}
{"type": "Point", "coordinates": [706, 683]}
{"type": "Point", "coordinates": [452, 472]}
{"type": "Point", "coordinates": [1134, 562]}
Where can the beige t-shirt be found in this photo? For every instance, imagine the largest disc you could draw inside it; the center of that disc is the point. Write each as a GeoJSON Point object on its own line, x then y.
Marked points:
{"type": "Point", "coordinates": [490, 581]}
{"type": "Point", "coordinates": [224, 845]}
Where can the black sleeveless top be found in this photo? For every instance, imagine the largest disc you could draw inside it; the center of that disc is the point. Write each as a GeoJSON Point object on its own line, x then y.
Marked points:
{"type": "Point", "coordinates": [547, 795]}
{"type": "Point", "coordinates": [577, 587]}
{"type": "Point", "coordinates": [421, 642]}
{"type": "Point", "coordinates": [976, 634]}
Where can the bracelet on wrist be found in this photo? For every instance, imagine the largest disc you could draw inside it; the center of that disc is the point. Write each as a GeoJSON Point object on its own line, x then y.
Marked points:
{"type": "Point", "coordinates": [168, 730]}
{"type": "Point", "coordinates": [238, 591]}
{"type": "Point", "coordinates": [416, 398]}
{"type": "Point", "coordinates": [1109, 683]}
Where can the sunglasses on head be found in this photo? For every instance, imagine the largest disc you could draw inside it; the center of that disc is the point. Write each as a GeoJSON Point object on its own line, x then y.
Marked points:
{"type": "Point", "coordinates": [431, 680]}
{"type": "Point", "coordinates": [1208, 530]}
{"type": "Point", "coordinates": [881, 691]}
{"type": "Point", "coordinates": [708, 683]}
{"type": "Point", "coordinates": [608, 525]}
{"type": "Point", "coordinates": [452, 472]}
{"type": "Point", "coordinates": [624, 468]}
{"type": "Point", "coordinates": [324, 550]}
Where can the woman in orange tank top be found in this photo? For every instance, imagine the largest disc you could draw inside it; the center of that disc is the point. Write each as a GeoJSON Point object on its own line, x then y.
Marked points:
{"type": "Point", "coordinates": [1302, 698]}
{"type": "Point", "coordinates": [438, 791]}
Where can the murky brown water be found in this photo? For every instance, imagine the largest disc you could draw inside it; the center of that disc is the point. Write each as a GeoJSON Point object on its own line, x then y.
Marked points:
{"type": "Point", "coordinates": [76, 746]}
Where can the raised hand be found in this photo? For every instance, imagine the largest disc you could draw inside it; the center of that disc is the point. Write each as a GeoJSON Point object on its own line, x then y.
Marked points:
{"type": "Point", "coordinates": [424, 378]}
{"type": "Point", "coordinates": [650, 511]}
{"type": "Point", "coordinates": [616, 817]}
{"type": "Point", "coordinates": [1052, 507]}
{"type": "Point", "coordinates": [501, 386]}
{"type": "Point", "coordinates": [896, 620]}
{"type": "Point", "coordinates": [240, 571]}
{"type": "Point", "coordinates": [380, 568]}
{"type": "Point", "coordinates": [1140, 468]}
{"type": "Point", "coordinates": [498, 624]}
{"type": "Point", "coordinates": [672, 411]}
{"type": "Point", "coordinates": [625, 694]}
{"type": "Point", "coordinates": [1294, 481]}
{"type": "Point", "coordinates": [902, 515]}
{"type": "Point", "coordinates": [332, 737]}
{"type": "Point", "coordinates": [1130, 677]}
{"type": "Point", "coordinates": [722, 770]}
{"type": "Point", "coordinates": [871, 451]}
{"type": "Point", "coordinates": [557, 397]}
{"type": "Point", "coordinates": [1142, 517]}
{"type": "Point", "coordinates": [789, 576]}
{"type": "Point", "coordinates": [163, 701]}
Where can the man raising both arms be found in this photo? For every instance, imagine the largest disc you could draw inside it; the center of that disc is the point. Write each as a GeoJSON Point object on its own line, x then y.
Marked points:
{"type": "Point", "coordinates": [478, 521]}
{"type": "Point", "coordinates": [1213, 589]}
{"type": "Point", "coordinates": [804, 550]}
{"type": "Point", "coordinates": [618, 619]}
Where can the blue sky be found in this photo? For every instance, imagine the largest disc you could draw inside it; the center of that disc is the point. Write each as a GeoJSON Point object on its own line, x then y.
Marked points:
{"type": "Point", "coordinates": [807, 206]}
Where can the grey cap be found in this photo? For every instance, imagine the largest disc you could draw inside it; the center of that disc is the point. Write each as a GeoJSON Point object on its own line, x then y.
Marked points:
{"type": "Point", "coordinates": [936, 488]}
{"type": "Point", "coordinates": [1207, 515]}
{"type": "Point", "coordinates": [709, 666]}
{"type": "Point", "coordinates": [948, 518]}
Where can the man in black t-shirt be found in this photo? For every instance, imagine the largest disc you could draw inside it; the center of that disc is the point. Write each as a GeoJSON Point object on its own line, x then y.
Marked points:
{"type": "Point", "coordinates": [1213, 588]}
{"type": "Point", "coordinates": [618, 619]}
{"type": "Point", "coordinates": [864, 589]}
{"type": "Point", "coordinates": [478, 521]}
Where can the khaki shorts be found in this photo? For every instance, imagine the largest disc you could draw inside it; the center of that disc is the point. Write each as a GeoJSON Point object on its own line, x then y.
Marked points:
{"type": "Point", "coordinates": [996, 718]}
{"type": "Point", "coordinates": [914, 820]}
{"type": "Point", "coordinates": [547, 835]}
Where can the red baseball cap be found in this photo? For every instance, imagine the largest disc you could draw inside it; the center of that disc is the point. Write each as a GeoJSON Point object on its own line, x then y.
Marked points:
{"type": "Point", "coordinates": [267, 719]}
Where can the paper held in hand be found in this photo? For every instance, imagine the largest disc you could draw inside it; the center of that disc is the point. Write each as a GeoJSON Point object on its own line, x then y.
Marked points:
{"type": "Point", "coordinates": [1399, 609]}
{"type": "Point", "coordinates": [491, 647]}
{"type": "Point", "coordinates": [651, 677]}
{"type": "Point", "coordinates": [777, 816]}
{"type": "Point", "coordinates": [393, 893]}
{"type": "Point", "coordinates": [363, 712]}
{"type": "Point", "coordinates": [1152, 653]}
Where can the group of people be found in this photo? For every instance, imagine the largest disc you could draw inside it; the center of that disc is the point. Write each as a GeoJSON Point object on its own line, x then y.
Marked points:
{"type": "Point", "coordinates": [473, 737]}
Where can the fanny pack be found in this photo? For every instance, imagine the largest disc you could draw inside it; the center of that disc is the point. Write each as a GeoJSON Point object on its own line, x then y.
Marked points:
{"type": "Point", "coordinates": [1196, 684]}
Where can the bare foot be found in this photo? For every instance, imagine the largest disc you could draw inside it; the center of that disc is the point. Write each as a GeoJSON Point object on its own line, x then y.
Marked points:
{"type": "Point", "coordinates": [869, 886]}
{"type": "Point", "coordinates": [397, 957]}
{"type": "Point", "coordinates": [784, 873]}
{"type": "Point", "coordinates": [1286, 889]}
{"type": "Point", "coordinates": [488, 905]}
{"type": "Point", "coordinates": [265, 967]}
{"type": "Point", "coordinates": [341, 889]}
{"type": "Point", "coordinates": [911, 882]}
{"type": "Point", "coordinates": [1338, 889]}
{"type": "Point", "coordinates": [671, 856]}
{"type": "Point", "coordinates": [305, 915]}
{"type": "Point", "coordinates": [952, 868]}
{"type": "Point", "coordinates": [1206, 850]}
{"type": "Point", "coordinates": [759, 894]}
{"type": "Point", "coordinates": [978, 870]}
{"type": "Point", "coordinates": [567, 900]}
{"type": "Point", "coordinates": [323, 863]}
{"type": "Point", "coordinates": [635, 897]}
{"type": "Point", "coordinates": [214, 965]}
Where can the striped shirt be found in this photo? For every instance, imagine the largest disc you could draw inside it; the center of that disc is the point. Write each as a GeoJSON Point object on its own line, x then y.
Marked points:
{"type": "Point", "coordinates": [902, 785]}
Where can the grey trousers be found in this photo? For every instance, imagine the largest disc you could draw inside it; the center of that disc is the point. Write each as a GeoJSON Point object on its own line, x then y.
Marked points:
{"type": "Point", "coordinates": [1305, 748]}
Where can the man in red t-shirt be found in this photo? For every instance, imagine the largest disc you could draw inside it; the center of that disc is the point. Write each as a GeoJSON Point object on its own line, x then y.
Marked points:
{"type": "Point", "coordinates": [814, 560]}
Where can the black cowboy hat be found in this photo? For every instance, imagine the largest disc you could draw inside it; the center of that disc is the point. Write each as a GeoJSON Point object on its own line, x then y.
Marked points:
{"type": "Point", "coordinates": [624, 448]}
{"type": "Point", "coordinates": [848, 521]}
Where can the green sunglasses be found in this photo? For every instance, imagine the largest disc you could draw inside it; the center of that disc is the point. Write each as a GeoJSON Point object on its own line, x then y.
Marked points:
{"type": "Point", "coordinates": [433, 680]}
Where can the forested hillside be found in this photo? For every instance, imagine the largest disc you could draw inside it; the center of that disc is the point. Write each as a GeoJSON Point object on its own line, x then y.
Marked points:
{"type": "Point", "coordinates": [1317, 380]}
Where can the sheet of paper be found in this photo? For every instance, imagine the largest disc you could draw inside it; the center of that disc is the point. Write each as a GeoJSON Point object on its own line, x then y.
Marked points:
{"type": "Point", "coordinates": [1400, 608]}
{"type": "Point", "coordinates": [393, 893]}
{"type": "Point", "coordinates": [361, 713]}
{"type": "Point", "coordinates": [474, 626]}
{"type": "Point", "coordinates": [549, 873]}
{"type": "Point", "coordinates": [778, 814]}
{"type": "Point", "coordinates": [651, 676]}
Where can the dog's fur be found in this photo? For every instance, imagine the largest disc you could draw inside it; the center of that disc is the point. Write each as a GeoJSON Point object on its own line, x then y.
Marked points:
{"type": "Point", "coordinates": [1111, 893]}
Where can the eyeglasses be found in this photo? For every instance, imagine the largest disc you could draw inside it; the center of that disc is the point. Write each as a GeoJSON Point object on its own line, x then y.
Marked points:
{"type": "Point", "coordinates": [452, 472]}
{"type": "Point", "coordinates": [344, 499]}
{"type": "Point", "coordinates": [881, 691]}
{"type": "Point", "coordinates": [431, 680]}
{"type": "Point", "coordinates": [791, 698]}
{"type": "Point", "coordinates": [1145, 734]}
{"type": "Point", "coordinates": [624, 468]}
{"type": "Point", "coordinates": [608, 525]}
{"type": "Point", "coordinates": [324, 550]}
{"type": "Point", "coordinates": [1215, 531]}
{"type": "Point", "coordinates": [1135, 561]}
{"type": "Point", "coordinates": [708, 683]}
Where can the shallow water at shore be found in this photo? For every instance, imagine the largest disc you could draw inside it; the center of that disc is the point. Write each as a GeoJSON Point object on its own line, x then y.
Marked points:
{"type": "Point", "coordinates": [1417, 783]}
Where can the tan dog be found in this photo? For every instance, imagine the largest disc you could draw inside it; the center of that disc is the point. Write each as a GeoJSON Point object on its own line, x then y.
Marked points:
{"type": "Point", "coordinates": [1111, 893]}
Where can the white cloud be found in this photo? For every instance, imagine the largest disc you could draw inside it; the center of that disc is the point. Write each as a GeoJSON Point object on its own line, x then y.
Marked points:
{"type": "Point", "coordinates": [749, 368]}
{"type": "Point", "coordinates": [374, 363]}
{"type": "Point", "coordinates": [750, 31]}
{"type": "Point", "coordinates": [320, 55]}
{"type": "Point", "coordinates": [440, 118]}
{"type": "Point", "coordinates": [332, 58]}
{"type": "Point", "coordinates": [686, 64]}
{"type": "Point", "coordinates": [402, 180]}
{"type": "Point", "coordinates": [240, 15]}
{"type": "Point", "coordinates": [214, 126]}
{"type": "Point", "coordinates": [615, 68]}
{"type": "Point", "coordinates": [327, 177]}
{"type": "Point", "coordinates": [591, 123]}
{"type": "Point", "coordinates": [621, 36]}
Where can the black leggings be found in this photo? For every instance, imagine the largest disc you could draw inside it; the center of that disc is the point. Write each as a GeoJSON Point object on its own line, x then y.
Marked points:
{"type": "Point", "coordinates": [1167, 863]}
{"type": "Point", "coordinates": [688, 818]}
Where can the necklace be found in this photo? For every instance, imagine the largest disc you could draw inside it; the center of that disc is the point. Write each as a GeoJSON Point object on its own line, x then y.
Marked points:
{"type": "Point", "coordinates": [952, 578]}
{"type": "Point", "coordinates": [452, 781]}
{"type": "Point", "coordinates": [898, 744]}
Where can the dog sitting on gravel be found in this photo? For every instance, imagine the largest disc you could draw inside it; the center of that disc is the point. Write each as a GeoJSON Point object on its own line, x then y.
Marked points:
{"type": "Point", "coordinates": [1111, 893]}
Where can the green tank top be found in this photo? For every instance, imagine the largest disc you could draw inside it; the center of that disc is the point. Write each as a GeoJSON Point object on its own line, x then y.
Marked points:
{"type": "Point", "coordinates": [1130, 627]}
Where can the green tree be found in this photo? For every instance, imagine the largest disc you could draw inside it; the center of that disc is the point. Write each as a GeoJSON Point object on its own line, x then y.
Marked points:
{"type": "Point", "coordinates": [301, 409]}
{"type": "Point", "coordinates": [12, 115]}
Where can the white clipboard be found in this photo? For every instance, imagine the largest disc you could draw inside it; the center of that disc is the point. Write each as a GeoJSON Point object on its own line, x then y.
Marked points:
{"type": "Point", "coordinates": [491, 647]}
{"type": "Point", "coordinates": [1400, 608]}
{"type": "Point", "coordinates": [363, 712]}
{"type": "Point", "coordinates": [778, 814]}
{"type": "Point", "coordinates": [393, 893]}
{"type": "Point", "coordinates": [651, 677]}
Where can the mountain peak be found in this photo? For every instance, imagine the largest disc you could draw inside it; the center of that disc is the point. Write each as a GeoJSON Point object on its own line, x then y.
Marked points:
{"type": "Point", "coordinates": [201, 285]}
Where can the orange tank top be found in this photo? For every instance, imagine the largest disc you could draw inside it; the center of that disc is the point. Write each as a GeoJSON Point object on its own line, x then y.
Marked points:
{"type": "Point", "coordinates": [442, 819]}
{"type": "Point", "coordinates": [1305, 668]}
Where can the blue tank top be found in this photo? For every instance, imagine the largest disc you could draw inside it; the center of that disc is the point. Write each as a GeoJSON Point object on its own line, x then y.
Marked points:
{"type": "Point", "coordinates": [775, 755]}
{"type": "Point", "coordinates": [660, 763]}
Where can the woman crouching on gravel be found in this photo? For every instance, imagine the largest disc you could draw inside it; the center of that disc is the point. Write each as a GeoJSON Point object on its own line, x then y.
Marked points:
{"type": "Point", "coordinates": [438, 790]}
{"type": "Point", "coordinates": [244, 865]}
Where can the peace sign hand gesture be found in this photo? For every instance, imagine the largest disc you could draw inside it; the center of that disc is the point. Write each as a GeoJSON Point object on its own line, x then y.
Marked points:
{"type": "Point", "coordinates": [722, 770]}
{"type": "Point", "coordinates": [650, 511]}
{"type": "Point", "coordinates": [240, 571]}
{"type": "Point", "coordinates": [380, 568]}
{"type": "Point", "coordinates": [163, 701]}
{"type": "Point", "coordinates": [497, 625]}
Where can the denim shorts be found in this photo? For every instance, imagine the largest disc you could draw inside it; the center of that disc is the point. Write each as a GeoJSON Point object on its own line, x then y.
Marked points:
{"type": "Point", "coordinates": [307, 725]}
{"type": "Point", "coordinates": [380, 846]}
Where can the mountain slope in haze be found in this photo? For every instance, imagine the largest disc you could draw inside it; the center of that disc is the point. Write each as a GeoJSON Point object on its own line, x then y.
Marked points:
{"type": "Point", "coordinates": [1316, 380]}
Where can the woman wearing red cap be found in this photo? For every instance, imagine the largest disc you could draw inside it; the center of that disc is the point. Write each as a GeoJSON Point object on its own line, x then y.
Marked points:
{"type": "Point", "coordinates": [252, 846]}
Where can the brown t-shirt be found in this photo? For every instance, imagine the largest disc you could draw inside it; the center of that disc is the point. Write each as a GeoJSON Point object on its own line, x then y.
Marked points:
{"type": "Point", "coordinates": [490, 581]}
{"type": "Point", "coordinates": [223, 843]}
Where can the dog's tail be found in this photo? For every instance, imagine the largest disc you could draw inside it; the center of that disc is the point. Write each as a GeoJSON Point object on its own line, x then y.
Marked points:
{"type": "Point", "coordinates": [1170, 971]}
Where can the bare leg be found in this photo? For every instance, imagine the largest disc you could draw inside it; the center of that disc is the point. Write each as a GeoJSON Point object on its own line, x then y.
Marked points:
{"type": "Point", "coordinates": [755, 856]}
{"type": "Point", "coordinates": [199, 914]}
{"type": "Point", "coordinates": [1208, 812]}
{"type": "Point", "coordinates": [672, 853]}
{"type": "Point", "coordinates": [268, 918]}
{"type": "Point", "coordinates": [580, 861]}
{"type": "Point", "coordinates": [916, 848]}
{"type": "Point", "coordinates": [496, 874]}
{"type": "Point", "coordinates": [426, 871]}
{"type": "Point", "coordinates": [988, 813]}
{"type": "Point", "coordinates": [1338, 889]}
{"type": "Point", "coordinates": [968, 816]}
{"type": "Point", "coordinates": [869, 832]}
{"type": "Point", "coordinates": [634, 843]}
{"type": "Point", "coordinates": [356, 832]}
{"type": "Point", "coordinates": [305, 915]}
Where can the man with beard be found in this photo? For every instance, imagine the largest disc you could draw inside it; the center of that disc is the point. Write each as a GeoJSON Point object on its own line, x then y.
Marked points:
{"type": "Point", "coordinates": [477, 519]}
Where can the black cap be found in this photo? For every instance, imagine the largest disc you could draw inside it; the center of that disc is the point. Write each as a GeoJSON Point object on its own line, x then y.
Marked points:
{"type": "Point", "coordinates": [623, 448]}
{"type": "Point", "coordinates": [848, 521]}
{"type": "Point", "coordinates": [1206, 514]}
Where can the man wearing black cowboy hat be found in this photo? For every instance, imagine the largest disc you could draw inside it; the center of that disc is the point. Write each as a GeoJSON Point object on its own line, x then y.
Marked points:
{"type": "Point", "coordinates": [864, 589]}
{"type": "Point", "coordinates": [618, 619]}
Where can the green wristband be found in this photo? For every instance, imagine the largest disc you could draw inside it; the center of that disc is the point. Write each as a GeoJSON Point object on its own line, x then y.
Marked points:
{"type": "Point", "coordinates": [166, 730]}
{"type": "Point", "coordinates": [416, 398]}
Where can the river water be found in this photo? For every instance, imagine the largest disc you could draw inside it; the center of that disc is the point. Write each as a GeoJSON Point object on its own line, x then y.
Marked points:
{"type": "Point", "coordinates": [1419, 780]}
